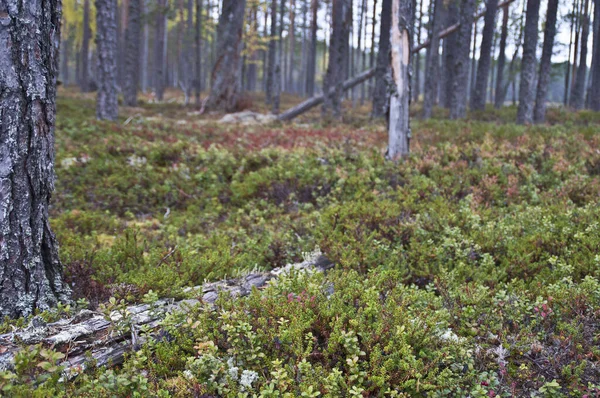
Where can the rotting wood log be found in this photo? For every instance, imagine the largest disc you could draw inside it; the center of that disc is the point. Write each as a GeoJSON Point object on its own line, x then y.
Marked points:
{"type": "Point", "coordinates": [90, 339]}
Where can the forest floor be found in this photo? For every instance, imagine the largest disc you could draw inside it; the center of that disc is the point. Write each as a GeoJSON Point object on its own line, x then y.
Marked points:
{"type": "Point", "coordinates": [469, 269]}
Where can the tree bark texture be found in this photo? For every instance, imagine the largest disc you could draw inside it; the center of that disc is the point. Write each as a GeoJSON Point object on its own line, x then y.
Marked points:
{"type": "Point", "coordinates": [30, 270]}
{"type": "Point", "coordinates": [539, 112]}
{"type": "Point", "coordinates": [595, 89]}
{"type": "Point", "coordinates": [399, 118]}
{"type": "Point", "coordinates": [107, 107]}
{"type": "Point", "coordinates": [198, 39]}
{"type": "Point", "coordinates": [460, 78]}
{"type": "Point", "coordinates": [449, 55]}
{"type": "Point", "coordinates": [338, 57]}
{"type": "Point", "coordinates": [432, 61]}
{"type": "Point", "coordinates": [225, 77]}
{"type": "Point", "coordinates": [159, 48]}
{"type": "Point", "coordinates": [578, 93]}
{"type": "Point", "coordinates": [85, 48]}
{"type": "Point", "coordinates": [311, 63]}
{"type": "Point", "coordinates": [483, 68]}
{"type": "Point", "coordinates": [380, 91]}
{"type": "Point", "coordinates": [145, 48]}
{"type": "Point", "coordinates": [528, 64]}
{"type": "Point", "coordinates": [272, 54]}
{"type": "Point", "coordinates": [132, 54]}
{"type": "Point", "coordinates": [500, 93]}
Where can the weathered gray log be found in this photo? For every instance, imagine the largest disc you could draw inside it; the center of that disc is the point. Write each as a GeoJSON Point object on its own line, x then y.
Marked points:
{"type": "Point", "coordinates": [90, 338]}
{"type": "Point", "coordinates": [316, 100]}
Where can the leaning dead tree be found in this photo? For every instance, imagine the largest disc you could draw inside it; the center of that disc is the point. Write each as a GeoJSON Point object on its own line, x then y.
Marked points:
{"type": "Point", "coordinates": [92, 339]}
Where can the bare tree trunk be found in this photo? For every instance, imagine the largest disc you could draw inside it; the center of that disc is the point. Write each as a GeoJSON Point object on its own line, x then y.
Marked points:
{"type": "Point", "coordinates": [65, 61]}
{"type": "Point", "coordinates": [311, 65]}
{"type": "Point", "coordinates": [568, 66]}
{"type": "Point", "coordinates": [338, 57]}
{"type": "Point", "coordinates": [473, 62]}
{"type": "Point", "coordinates": [500, 93]}
{"type": "Point", "coordinates": [280, 58]}
{"type": "Point", "coordinates": [225, 82]}
{"type": "Point", "coordinates": [577, 16]}
{"type": "Point", "coordinates": [528, 64]}
{"type": "Point", "coordinates": [417, 87]}
{"type": "Point", "coordinates": [450, 50]}
{"type": "Point", "coordinates": [432, 61]}
{"type": "Point", "coordinates": [85, 48]}
{"type": "Point", "coordinates": [132, 54]}
{"type": "Point", "coordinates": [373, 48]}
{"type": "Point", "coordinates": [301, 84]}
{"type": "Point", "coordinates": [399, 119]}
{"type": "Point", "coordinates": [360, 35]}
{"type": "Point", "coordinates": [539, 112]}
{"type": "Point", "coordinates": [458, 101]}
{"type": "Point", "coordinates": [595, 89]}
{"type": "Point", "coordinates": [578, 93]}
{"type": "Point", "coordinates": [30, 270]}
{"type": "Point", "coordinates": [292, 47]}
{"type": "Point", "coordinates": [107, 107]}
{"type": "Point", "coordinates": [595, 27]}
{"type": "Point", "coordinates": [198, 38]}
{"type": "Point", "coordinates": [380, 91]}
{"type": "Point", "coordinates": [145, 48]}
{"type": "Point", "coordinates": [159, 49]}
{"type": "Point", "coordinates": [364, 52]}
{"type": "Point", "coordinates": [483, 68]}
{"type": "Point", "coordinates": [272, 53]}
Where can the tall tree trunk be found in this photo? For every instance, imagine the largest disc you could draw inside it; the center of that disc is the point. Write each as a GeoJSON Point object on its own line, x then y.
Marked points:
{"type": "Point", "coordinates": [338, 57]}
{"type": "Point", "coordinates": [145, 48]}
{"type": "Point", "coordinates": [363, 54]}
{"type": "Point", "coordinates": [311, 64]}
{"type": "Point", "coordinates": [458, 101]}
{"type": "Point", "coordinates": [85, 48]}
{"type": "Point", "coordinates": [450, 53]}
{"type": "Point", "coordinates": [360, 35]}
{"type": "Point", "coordinates": [578, 93]}
{"type": "Point", "coordinates": [595, 90]}
{"type": "Point", "coordinates": [272, 53]}
{"type": "Point", "coordinates": [280, 57]}
{"type": "Point", "coordinates": [528, 64]}
{"type": "Point", "coordinates": [225, 81]}
{"type": "Point", "coordinates": [568, 65]}
{"type": "Point", "coordinates": [380, 91]}
{"type": "Point", "coordinates": [399, 118]}
{"type": "Point", "coordinates": [500, 94]}
{"type": "Point", "coordinates": [596, 27]}
{"type": "Point", "coordinates": [65, 61]}
{"type": "Point", "coordinates": [198, 39]}
{"type": "Point", "coordinates": [132, 54]}
{"type": "Point", "coordinates": [417, 87]}
{"type": "Point", "coordinates": [483, 68]}
{"type": "Point", "coordinates": [473, 61]}
{"type": "Point", "coordinates": [432, 61]}
{"type": "Point", "coordinates": [539, 112]}
{"type": "Point", "coordinates": [577, 13]}
{"type": "Point", "coordinates": [30, 270]}
{"type": "Point", "coordinates": [373, 48]}
{"type": "Point", "coordinates": [107, 107]}
{"type": "Point", "coordinates": [292, 47]}
{"type": "Point", "coordinates": [301, 84]}
{"type": "Point", "coordinates": [159, 49]}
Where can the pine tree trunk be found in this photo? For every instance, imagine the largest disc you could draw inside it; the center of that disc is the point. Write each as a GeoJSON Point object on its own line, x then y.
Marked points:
{"type": "Point", "coordinates": [363, 88]}
{"type": "Point", "coordinates": [577, 12]}
{"type": "Point", "coordinates": [578, 93]}
{"type": "Point", "coordinates": [528, 64]}
{"type": "Point", "coordinates": [500, 93]}
{"type": "Point", "coordinates": [311, 65]}
{"type": "Point", "coordinates": [460, 83]}
{"type": "Point", "coordinates": [159, 49]}
{"type": "Point", "coordinates": [372, 58]}
{"type": "Point", "coordinates": [568, 65]}
{"type": "Point", "coordinates": [595, 75]}
{"type": "Point", "coordinates": [595, 27]}
{"type": "Point", "coordinates": [380, 91]}
{"type": "Point", "coordinates": [432, 61]}
{"type": "Point", "coordinates": [65, 61]}
{"type": "Point", "coordinates": [272, 57]}
{"type": "Point", "coordinates": [483, 68]}
{"type": "Point", "coordinates": [145, 48]}
{"type": "Point", "coordinates": [539, 112]}
{"type": "Point", "coordinates": [417, 86]}
{"type": "Point", "coordinates": [338, 57]}
{"type": "Point", "coordinates": [473, 62]}
{"type": "Point", "coordinates": [450, 52]}
{"type": "Point", "coordinates": [399, 118]}
{"type": "Point", "coordinates": [225, 76]}
{"type": "Point", "coordinates": [107, 107]}
{"type": "Point", "coordinates": [30, 270]}
{"type": "Point", "coordinates": [291, 47]}
{"type": "Point", "coordinates": [198, 39]}
{"type": "Point", "coordinates": [132, 54]}
{"type": "Point", "coordinates": [85, 48]}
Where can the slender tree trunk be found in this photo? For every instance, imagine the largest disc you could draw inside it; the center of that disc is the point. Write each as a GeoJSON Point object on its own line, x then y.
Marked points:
{"type": "Point", "coordinates": [145, 48]}
{"type": "Point", "coordinates": [450, 53]}
{"type": "Point", "coordinates": [458, 101]}
{"type": "Point", "coordinates": [577, 12]}
{"type": "Point", "coordinates": [360, 35]}
{"type": "Point", "coordinates": [311, 65]}
{"type": "Point", "coordinates": [292, 46]}
{"type": "Point", "coordinates": [272, 53]}
{"type": "Point", "coordinates": [30, 270]}
{"type": "Point", "coordinates": [132, 54]}
{"type": "Point", "coordinates": [568, 66]}
{"type": "Point", "coordinates": [578, 93]}
{"type": "Point", "coordinates": [483, 68]}
{"type": "Point", "coordinates": [363, 54]}
{"type": "Point", "coordinates": [595, 89]}
{"type": "Point", "coordinates": [107, 107]}
{"type": "Point", "coordinates": [159, 49]}
{"type": "Point", "coordinates": [399, 118]}
{"type": "Point", "coordinates": [85, 48]}
{"type": "Point", "coordinates": [500, 94]}
{"type": "Point", "coordinates": [539, 112]}
{"type": "Point", "coordinates": [596, 27]}
{"type": "Point", "coordinates": [225, 82]}
{"type": "Point", "coordinates": [373, 48]}
{"type": "Point", "coordinates": [473, 61]}
{"type": "Point", "coordinates": [198, 38]}
{"type": "Point", "coordinates": [380, 91]}
{"type": "Point", "coordinates": [432, 61]}
{"type": "Point", "coordinates": [65, 61]}
{"type": "Point", "coordinates": [528, 64]}
{"type": "Point", "coordinates": [417, 86]}
{"type": "Point", "coordinates": [338, 57]}
{"type": "Point", "coordinates": [122, 45]}
{"type": "Point", "coordinates": [301, 85]}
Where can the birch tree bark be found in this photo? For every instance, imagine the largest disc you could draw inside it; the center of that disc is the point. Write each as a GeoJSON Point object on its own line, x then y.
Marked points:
{"type": "Point", "coordinates": [30, 270]}
{"type": "Point", "coordinates": [225, 77]}
{"type": "Point", "coordinates": [483, 68]}
{"type": "Point", "coordinates": [132, 54]}
{"type": "Point", "coordinates": [539, 112]}
{"type": "Point", "coordinates": [107, 107]}
{"type": "Point", "coordinates": [460, 83]}
{"type": "Point", "coordinates": [399, 119]}
{"type": "Point", "coordinates": [526, 93]}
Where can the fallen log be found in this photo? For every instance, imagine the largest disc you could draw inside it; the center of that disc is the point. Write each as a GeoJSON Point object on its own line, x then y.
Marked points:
{"type": "Point", "coordinates": [316, 100]}
{"type": "Point", "coordinates": [91, 339]}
